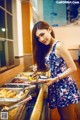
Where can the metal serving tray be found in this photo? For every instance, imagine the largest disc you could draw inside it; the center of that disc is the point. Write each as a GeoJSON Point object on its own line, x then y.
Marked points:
{"type": "Point", "coordinates": [19, 79]}
{"type": "Point", "coordinates": [5, 108]}
{"type": "Point", "coordinates": [23, 75]}
{"type": "Point", "coordinates": [23, 83]}
{"type": "Point", "coordinates": [23, 78]}
{"type": "Point", "coordinates": [9, 101]}
{"type": "Point", "coordinates": [19, 83]}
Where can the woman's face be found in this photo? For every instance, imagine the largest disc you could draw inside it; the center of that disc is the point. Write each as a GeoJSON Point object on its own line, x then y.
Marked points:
{"type": "Point", "coordinates": [44, 36]}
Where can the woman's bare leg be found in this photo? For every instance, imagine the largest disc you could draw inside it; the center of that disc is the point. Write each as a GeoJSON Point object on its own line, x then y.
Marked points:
{"type": "Point", "coordinates": [69, 113]}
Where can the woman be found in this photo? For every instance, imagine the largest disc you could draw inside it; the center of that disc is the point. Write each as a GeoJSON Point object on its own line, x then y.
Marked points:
{"type": "Point", "coordinates": [51, 54]}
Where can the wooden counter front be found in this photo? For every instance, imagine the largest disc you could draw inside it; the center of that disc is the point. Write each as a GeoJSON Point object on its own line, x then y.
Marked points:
{"type": "Point", "coordinates": [39, 105]}
{"type": "Point", "coordinates": [17, 113]}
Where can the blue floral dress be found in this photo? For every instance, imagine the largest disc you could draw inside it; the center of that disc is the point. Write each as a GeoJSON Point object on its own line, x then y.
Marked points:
{"type": "Point", "coordinates": [65, 91]}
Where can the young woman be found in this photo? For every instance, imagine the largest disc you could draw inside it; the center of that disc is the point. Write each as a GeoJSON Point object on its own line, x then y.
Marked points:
{"type": "Point", "coordinates": [51, 54]}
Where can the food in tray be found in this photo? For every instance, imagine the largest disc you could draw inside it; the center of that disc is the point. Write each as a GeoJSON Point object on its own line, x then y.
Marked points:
{"type": "Point", "coordinates": [22, 94]}
{"type": "Point", "coordinates": [28, 75]}
{"type": "Point", "coordinates": [21, 80]}
{"type": "Point", "coordinates": [4, 93]}
{"type": "Point", "coordinates": [24, 74]}
{"type": "Point", "coordinates": [7, 93]}
{"type": "Point", "coordinates": [17, 81]}
{"type": "Point", "coordinates": [32, 76]}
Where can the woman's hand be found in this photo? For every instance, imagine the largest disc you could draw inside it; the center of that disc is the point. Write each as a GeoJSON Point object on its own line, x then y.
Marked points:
{"type": "Point", "coordinates": [51, 81]}
{"type": "Point", "coordinates": [48, 81]}
{"type": "Point", "coordinates": [43, 81]}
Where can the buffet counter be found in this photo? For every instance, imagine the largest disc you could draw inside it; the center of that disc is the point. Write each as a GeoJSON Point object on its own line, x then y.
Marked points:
{"type": "Point", "coordinates": [31, 105]}
{"type": "Point", "coordinates": [38, 112]}
{"type": "Point", "coordinates": [17, 113]}
{"type": "Point", "coordinates": [38, 108]}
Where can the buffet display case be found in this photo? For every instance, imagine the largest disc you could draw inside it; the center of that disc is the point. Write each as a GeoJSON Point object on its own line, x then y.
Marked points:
{"type": "Point", "coordinates": [21, 96]}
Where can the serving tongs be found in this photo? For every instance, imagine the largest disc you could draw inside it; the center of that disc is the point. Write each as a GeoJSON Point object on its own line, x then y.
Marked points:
{"type": "Point", "coordinates": [17, 104]}
{"type": "Point", "coordinates": [26, 88]}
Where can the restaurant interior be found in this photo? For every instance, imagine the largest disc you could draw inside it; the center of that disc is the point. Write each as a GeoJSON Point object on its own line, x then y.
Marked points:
{"type": "Point", "coordinates": [17, 18]}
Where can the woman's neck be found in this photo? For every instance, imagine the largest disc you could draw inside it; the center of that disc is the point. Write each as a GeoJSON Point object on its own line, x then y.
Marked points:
{"type": "Point", "coordinates": [53, 40]}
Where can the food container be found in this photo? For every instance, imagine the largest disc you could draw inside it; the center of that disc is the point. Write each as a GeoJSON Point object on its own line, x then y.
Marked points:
{"type": "Point", "coordinates": [24, 75]}
{"type": "Point", "coordinates": [17, 83]}
{"type": "Point", "coordinates": [5, 108]}
{"type": "Point", "coordinates": [20, 82]}
{"type": "Point", "coordinates": [9, 96]}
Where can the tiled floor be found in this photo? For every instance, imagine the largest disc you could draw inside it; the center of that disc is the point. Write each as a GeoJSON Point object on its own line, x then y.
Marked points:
{"type": "Point", "coordinates": [76, 77]}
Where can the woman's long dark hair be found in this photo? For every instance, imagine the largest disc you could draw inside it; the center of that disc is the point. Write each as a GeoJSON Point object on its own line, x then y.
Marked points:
{"type": "Point", "coordinates": [40, 50]}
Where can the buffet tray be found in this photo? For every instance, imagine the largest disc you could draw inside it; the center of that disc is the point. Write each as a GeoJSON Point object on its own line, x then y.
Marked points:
{"type": "Point", "coordinates": [5, 108]}
{"type": "Point", "coordinates": [20, 93]}
{"type": "Point", "coordinates": [18, 84]}
{"type": "Point", "coordinates": [23, 78]}
{"type": "Point", "coordinates": [24, 75]}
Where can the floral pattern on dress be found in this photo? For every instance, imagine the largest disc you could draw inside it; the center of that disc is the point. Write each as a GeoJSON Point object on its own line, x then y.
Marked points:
{"type": "Point", "coordinates": [65, 91]}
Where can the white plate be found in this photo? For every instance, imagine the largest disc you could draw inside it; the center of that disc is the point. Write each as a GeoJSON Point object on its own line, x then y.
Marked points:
{"type": "Point", "coordinates": [43, 77]}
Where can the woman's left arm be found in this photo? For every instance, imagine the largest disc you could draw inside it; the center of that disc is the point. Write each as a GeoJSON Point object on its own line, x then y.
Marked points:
{"type": "Point", "coordinates": [61, 51]}
{"type": "Point", "coordinates": [64, 53]}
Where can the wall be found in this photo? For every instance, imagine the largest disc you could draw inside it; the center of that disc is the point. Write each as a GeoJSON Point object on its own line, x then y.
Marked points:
{"type": "Point", "coordinates": [28, 61]}
{"type": "Point", "coordinates": [70, 36]}
{"type": "Point", "coordinates": [40, 9]}
{"type": "Point", "coordinates": [26, 26]}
